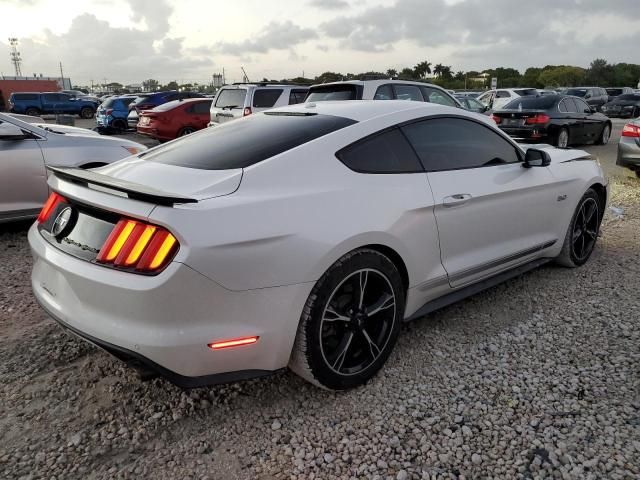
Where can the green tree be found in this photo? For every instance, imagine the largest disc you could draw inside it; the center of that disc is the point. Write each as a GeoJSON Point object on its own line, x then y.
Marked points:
{"type": "Point", "coordinates": [421, 69]}
{"type": "Point", "coordinates": [173, 85]}
{"type": "Point", "coordinates": [459, 75]}
{"type": "Point", "coordinates": [392, 72]}
{"type": "Point", "coordinates": [327, 77]}
{"type": "Point", "coordinates": [562, 76]}
{"type": "Point", "coordinates": [600, 73]}
{"type": "Point", "coordinates": [150, 85]}
{"type": "Point", "coordinates": [530, 78]}
{"type": "Point", "coordinates": [407, 74]}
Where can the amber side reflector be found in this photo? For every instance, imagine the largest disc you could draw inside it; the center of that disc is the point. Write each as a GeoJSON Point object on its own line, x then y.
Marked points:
{"type": "Point", "coordinates": [49, 206]}
{"type": "Point", "coordinates": [236, 342]}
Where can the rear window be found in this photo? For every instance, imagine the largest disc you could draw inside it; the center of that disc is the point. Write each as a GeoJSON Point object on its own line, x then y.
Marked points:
{"type": "Point", "coordinates": [577, 92]}
{"type": "Point", "coordinates": [168, 106]}
{"type": "Point", "coordinates": [266, 97]}
{"type": "Point", "coordinates": [231, 97]}
{"type": "Point", "coordinates": [527, 92]}
{"type": "Point", "coordinates": [332, 92]}
{"type": "Point", "coordinates": [247, 141]}
{"type": "Point", "coordinates": [536, 103]}
{"type": "Point", "coordinates": [109, 102]}
{"type": "Point", "coordinates": [614, 92]}
{"type": "Point", "coordinates": [25, 96]}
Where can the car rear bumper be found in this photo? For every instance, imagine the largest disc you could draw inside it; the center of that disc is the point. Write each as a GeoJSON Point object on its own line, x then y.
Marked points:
{"type": "Point", "coordinates": [165, 322]}
{"type": "Point", "coordinates": [153, 133]}
{"type": "Point", "coordinates": [529, 134]}
{"type": "Point", "coordinates": [629, 153]}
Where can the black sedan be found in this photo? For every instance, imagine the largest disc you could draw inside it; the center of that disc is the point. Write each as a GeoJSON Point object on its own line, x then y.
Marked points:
{"type": "Point", "coordinates": [623, 106]}
{"type": "Point", "coordinates": [560, 120]}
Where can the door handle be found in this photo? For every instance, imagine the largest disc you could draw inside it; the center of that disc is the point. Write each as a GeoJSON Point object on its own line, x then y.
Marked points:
{"type": "Point", "coordinates": [455, 200]}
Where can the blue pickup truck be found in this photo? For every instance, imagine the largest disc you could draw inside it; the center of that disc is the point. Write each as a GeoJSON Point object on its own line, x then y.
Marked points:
{"type": "Point", "coordinates": [34, 103]}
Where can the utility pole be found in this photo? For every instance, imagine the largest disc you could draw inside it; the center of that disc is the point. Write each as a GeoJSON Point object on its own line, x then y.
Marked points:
{"type": "Point", "coordinates": [246, 77]}
{"type": "Point", "coordinates": [62, 77]}
{"type": "Point", "coordinates": [15, 56]}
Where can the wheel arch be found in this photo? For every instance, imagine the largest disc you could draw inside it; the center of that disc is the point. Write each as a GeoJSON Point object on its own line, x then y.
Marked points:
{"type": "Point", "coordinates": [601, 190]}
{"type": "Point", "coordinates": [395, 258]}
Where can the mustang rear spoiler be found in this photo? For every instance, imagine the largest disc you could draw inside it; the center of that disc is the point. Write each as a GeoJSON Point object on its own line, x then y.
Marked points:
{"type": "Point", "coordinates": [133, 190]}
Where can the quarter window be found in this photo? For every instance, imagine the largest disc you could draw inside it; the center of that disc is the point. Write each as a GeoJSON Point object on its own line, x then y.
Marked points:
{"type": "Point", "coordinates": [455, 143]}
{"type": "Point", "coordinates": [384, 92]}
{"type": "Point", "coordinates": [266, 97]}
{"type": "Point", "coordinates": [563, 106]}
{"type": "Point", "coordinates": [434, 95]}
{"type": "Point", "coordinates": [297, 96]}
{"type": "Point", "coordinates": [386, 152]}
{"type": "Point", "coordinates": [408, 92]}
{"type": "Point", "coordinates": [502, 94]}
{"type": "Point", "coordinates": [200, 108]}
{"type": "Point", "coordinates": [582, 106]}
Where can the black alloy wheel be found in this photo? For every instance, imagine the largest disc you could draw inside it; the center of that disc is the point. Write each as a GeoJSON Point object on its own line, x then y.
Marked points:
{"type": "Point", "coordinates": [186, 131]}
{"type": "Point", "coordinates": [585, 229]}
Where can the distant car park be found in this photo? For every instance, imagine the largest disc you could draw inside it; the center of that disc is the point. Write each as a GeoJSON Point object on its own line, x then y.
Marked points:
{"type": "Point", "coordinates": [623, 106]}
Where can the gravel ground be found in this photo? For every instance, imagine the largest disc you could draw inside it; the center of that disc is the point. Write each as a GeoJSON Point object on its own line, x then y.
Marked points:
{"type": "Point", "coordinates": [536, 378]}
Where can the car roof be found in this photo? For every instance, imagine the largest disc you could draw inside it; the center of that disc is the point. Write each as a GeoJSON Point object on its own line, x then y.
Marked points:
{"type": "Point", "coordinates": [382, 81]}
{"type": "Point", "coordinates": [262, 85]}
{"type": "Point", "coordinates": [363, 110]}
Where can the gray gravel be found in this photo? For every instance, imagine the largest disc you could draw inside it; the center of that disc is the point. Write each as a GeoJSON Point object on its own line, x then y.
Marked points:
{"type": "Point", "coordinates": [536, 378]}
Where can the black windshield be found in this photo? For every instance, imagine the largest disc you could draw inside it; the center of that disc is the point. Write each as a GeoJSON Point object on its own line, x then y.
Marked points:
{"type": "Point", "coordinates": [244, 142]}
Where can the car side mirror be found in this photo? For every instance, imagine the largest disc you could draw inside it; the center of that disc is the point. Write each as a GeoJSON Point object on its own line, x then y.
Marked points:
{"type": "Point", "coordinates": [9, 131]}
{"type": "Point", "coordinates": [536, 158]}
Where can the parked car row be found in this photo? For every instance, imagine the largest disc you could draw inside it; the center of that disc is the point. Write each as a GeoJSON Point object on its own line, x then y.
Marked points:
{"type": "Point", "coordinates": [36, 103]}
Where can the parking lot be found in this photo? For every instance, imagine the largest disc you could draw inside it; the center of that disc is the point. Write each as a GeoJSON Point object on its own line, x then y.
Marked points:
{"type": "Point", "coordinates": [536, 378]}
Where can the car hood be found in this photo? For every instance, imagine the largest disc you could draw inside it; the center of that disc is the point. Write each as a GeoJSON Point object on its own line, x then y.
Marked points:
{"type": "Point", "coordinates": [66, 129]}
{"type": "Point", "coordinates": [190, 182]}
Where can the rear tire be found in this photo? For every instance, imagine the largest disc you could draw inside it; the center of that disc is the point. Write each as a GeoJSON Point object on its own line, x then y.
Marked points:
{"type": "Point", "coordinates": [86, 113]}
{"type": "Point", "coordinates": [562, 139]}
{"type": "Point", "coordinates": [119, 125]}
{"type": "Point", "coordinates": [604, 135]}
{"type": "Point", "coordinates": [350, 322]}
{"type": "Point", "coordinates": [186, 131]}
{"type": "Point", "coordinates": [32, 112]}
{"type": "Point", "coordinates": [582, 234]}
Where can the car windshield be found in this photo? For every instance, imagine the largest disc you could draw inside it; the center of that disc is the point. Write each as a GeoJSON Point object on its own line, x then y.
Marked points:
{"type": "Point", "coordinates": [526, 92]}
{"type": "Point", "coordinates": [577, 92]}
{"type": "Point", "coordinates": [473, 103]}
{"type": "Point", "coordinates": [231, 97]}
{"type": "Point", "coordinates": [247, 141]}
{"type": "Point", "coordinates": [629, 97]}
{"type": "Point", "coordinates": [332, 92]}
{"type": "Point", "coordinates": [532, 103]}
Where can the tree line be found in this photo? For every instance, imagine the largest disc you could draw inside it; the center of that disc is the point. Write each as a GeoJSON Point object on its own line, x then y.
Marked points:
{"type": "Point", "coordinates": [600, 73]}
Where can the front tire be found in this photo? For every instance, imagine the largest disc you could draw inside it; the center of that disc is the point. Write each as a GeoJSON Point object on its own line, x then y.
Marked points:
{"type": "Point", "coordinates": [32, 112]}
{"type": "Point", "coordinates": [582, 233]}
{"type": "Point", "coordinates": [86, 113]}
{"type": "Point", "coordinates": [350, 322]}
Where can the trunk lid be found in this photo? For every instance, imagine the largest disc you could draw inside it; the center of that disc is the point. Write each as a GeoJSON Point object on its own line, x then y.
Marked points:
{"type": "Point", "coordinates": [515, 118]}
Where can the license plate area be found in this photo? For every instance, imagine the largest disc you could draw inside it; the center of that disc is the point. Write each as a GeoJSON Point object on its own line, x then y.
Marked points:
{"type": "Point", "coordinates": [513, 122]}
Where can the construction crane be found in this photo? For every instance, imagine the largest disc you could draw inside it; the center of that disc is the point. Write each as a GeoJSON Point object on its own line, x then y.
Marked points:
{"type": "Point", "coordinates": [15, 56]}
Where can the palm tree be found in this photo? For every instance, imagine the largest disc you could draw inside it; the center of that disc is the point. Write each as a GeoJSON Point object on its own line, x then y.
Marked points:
{"type": "Point", "coordinates": [437, 70]}
{"type": "Point", "coordinates": [422, 69]}
{"type": "Point", "coordinates": [392, 72]}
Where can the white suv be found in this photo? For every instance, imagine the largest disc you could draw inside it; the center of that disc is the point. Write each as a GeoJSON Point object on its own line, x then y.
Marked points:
{"type": "Point", "coordinates": [381, 90]}
{"type": "Point", "coordinates": [496, 99]}
{"type": "Point", "coordinates": [242, 99]}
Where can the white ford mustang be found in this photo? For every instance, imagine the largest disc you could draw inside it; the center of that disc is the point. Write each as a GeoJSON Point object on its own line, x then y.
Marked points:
{"type": "Point", "coordinates": [303, 237]}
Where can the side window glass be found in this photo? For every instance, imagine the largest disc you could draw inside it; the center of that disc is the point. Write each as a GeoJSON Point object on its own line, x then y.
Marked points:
{"type": "Point", "coordinates": [200, 108]}
{"type": "Point", "coordinates": [563, 106]}
{"type": "Point", "coordinates": [502, 94]}
{"type": "Point", "coordinates": [408, 92]}
{"type": "Point", "coordinates": [434, 95]}
{"type": "Point", "coordinates": [384, 92]}
{"type": "Point", "coordinates": [571, 105]}
{"type": "Point", "coordinates": [387, 152]}
{"type": "Point", "coordinates": [454, 143]}
{"type": "Point", "coordinates": [486, 98]}
{"type": "Point", "coordinates": [266, 97]}
{"type": "Point", "coordinates": [297, 96]}
{"type": "Point", "coordinates": [582, 106]}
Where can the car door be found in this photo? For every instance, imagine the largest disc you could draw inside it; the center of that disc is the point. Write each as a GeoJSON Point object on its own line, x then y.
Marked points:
{"type": "Point", "coordinates": [199, 114]}
{"type": "Point", "coordinates": [575, 121]}
{"type": "Point", "coordinates": [50, 102]}
{"type": "Point", "coordinates": [492, 213]}
{"type": "Point", "coordinates": [23, 181]}
{"type": "Point", "coordinates": [592, 122]}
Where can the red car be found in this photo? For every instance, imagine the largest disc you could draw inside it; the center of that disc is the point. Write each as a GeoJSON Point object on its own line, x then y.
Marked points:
{"type": "Point", "coordinates": [175, 119]}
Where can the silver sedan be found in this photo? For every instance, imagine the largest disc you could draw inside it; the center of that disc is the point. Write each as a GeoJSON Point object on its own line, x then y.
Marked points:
{"type": "Point", "coordinates": [629, 147]}
{"type": "Point", "coordinates": [26, 149]}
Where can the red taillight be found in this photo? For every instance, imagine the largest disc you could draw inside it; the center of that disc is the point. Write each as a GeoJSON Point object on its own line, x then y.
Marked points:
{"type": "Point", "coordinates": [236, 342]}
{"type": "Point", "coordinates": [247, 111]}
{"type": "Point", "coordinates": [138, 245]}
{"type": "Point", "coordinates": [538, 119]}
{"type": "Point", "coordinates": [108, 111]}
{"type": "Point", "coordinates": [50, 205]}
{"type": "Point", "coordinates": [496, 119]}
{"type": "Point", "coordinates": [631, 130]}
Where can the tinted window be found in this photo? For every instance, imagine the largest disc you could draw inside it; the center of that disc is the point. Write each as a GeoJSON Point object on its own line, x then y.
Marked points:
{"type": "Point", "coordinates": [25, 96]}
{"type": "Point", "coordinates": [266, 97]}
{"type": "Point", "coordinates": [454, 143]}
{"type": "Point", "coordinates": [542, 103]}
{"type": "Point", "coordinates": [577, 92]}
{"type": "Point", "coordinates": [332, 92]}
{"type": "Point", "coordinates": [387, 152]}
{"type": "Point", "coordinates": [525, 92]}
{"type": "Point", "coordinates": [297, 96]}
{"type": "Point", "coordinates": [50, 97]}
{"type": "Point", "coordinates": [562, 106]}
{"type": "Point", "coordinates": [247, 141]}
{"type": "Point", "coordinates": [502, 94]}
{"type": "Point", "coordinates": [200, 108]}
{"type": "Point", "coordinates": [581, 106]}
{"type": "Point", "coordinates": [571, 106]}
{"type": "Point", "coordinates": [614, 92]}
{"type": "Point", "coordinates": [384, 92]}
{"type": "Point", "coordinates": [231, 97]}
{"type": "Point", "coordinates": [408, 92]}
{"type": "Point", "coordinates": [627, 97]}
{"type": "Point", "coordinates": [434, 95]}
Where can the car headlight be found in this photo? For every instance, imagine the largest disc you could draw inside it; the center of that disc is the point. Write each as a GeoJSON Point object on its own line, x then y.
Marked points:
{"type": "Point", "coordinates": [133, 150]}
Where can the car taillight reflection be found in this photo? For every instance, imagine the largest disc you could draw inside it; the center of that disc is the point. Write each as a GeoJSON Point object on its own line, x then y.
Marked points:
{"type": "Point", "coordinates": [138, 246]}
{"type": "Point", "coordinates": [538, 119]}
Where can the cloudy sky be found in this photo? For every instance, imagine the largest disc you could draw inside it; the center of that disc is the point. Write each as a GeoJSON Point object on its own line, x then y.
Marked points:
{"type": "Point", "coordinates": [188, 40]}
